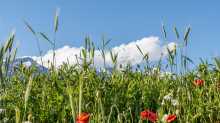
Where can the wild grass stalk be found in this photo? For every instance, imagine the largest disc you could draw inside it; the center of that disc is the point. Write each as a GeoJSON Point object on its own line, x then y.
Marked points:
{"type": "Point", "coordinates": [17, 115]}
{"type": "Point", "coordinates": [37, 42]}
{"type": "Point", "coordinates": [27, 93]}
{"type": "Point", "coordinates": [72, 104]}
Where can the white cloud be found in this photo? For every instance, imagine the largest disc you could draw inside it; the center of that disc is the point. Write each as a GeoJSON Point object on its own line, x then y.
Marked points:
{"type": "Point", "coordinates": [151, 45]}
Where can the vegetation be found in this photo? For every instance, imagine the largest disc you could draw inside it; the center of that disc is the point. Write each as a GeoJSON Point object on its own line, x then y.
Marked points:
{"type": "Point", "coordinates": [123, 96]}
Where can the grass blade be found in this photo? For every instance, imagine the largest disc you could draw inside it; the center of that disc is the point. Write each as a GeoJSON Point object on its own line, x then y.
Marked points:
{"type": "Point", "coordinates": [46, 38]}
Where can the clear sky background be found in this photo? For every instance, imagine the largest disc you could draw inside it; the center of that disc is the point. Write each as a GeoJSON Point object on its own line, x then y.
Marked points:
{"type": "Point", "coordinates": [126, 22]}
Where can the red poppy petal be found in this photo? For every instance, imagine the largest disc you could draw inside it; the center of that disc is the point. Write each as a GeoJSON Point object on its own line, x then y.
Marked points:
{"type": "Point", "coordinates": [84, 117]}
{"type": "Point", "coordinates": [194, 84]}
{"type": "Point", "coordinates": [144, 113]}
{"type": "Point", "coordinates": [81, 122]}
{"type": "Point", "coordinates": [171, 118]}
{"type": "Point", "coordinates": [152, 116]}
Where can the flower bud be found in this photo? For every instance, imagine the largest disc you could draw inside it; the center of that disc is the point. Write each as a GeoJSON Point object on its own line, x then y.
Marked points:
{"type": "Point", "coordinates": [48, 61]}
{"type": "Point", "coordinates": [29, 118]}
{"type": "Point", "coordinates": [136, 69]}
{"type": "Point", "coordinates": [166, 66]}
{"type": "Point", "coordinates": [178, 112]}
{"type": "Point", "coordinates": [98, 94]}
{"type": "Point", "coordinates": [138, 66]}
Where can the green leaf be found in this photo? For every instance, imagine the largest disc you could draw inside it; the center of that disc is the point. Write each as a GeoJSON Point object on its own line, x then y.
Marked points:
{"type": "Point", "coordinates": [139, 49]}
{"type": "Point", "coordinates": [46, 38]}
{"type": "Point", "coordinates": [107, 42]}
{"type": "Point", "coordinates": [188, 59]}
{"type": "Point", "coordinates": [84, 54]}
{"type": "Point", "coordinates": [145, 57]}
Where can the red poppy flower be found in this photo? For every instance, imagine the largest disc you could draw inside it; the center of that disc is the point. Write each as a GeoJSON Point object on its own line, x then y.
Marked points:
{"type": "Point", "coordinates": [219, 89]}
{"type": "Point", "coordinates": [83, 117]}
{"type": "Point", "coordinates": [171, 118]}
{"type": "Point", "coordinates": [200, 81]}
{"type": "Point", "coordinates": [151, 116]}
{"type": "Point", "coordinates": [219, 82]}
{"type": "Point", "coordinates": [196, 82]}
{"type": "Point", "coordinates": [214, 120]}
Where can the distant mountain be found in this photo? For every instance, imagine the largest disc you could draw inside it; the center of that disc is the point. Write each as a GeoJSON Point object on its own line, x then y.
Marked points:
{"type": "Point", "coordinates": [27, 62]}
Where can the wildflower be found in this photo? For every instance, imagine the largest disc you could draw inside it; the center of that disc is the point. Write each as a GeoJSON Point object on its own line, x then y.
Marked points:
{"type": "Point", "coordinates": [200, 81]}
{"type": "Point", "coordinates": [175, 102]}
{"type": "Point", "coordinates": [196, 82]}
{"type": "Point", "coordinates": [164, 119]}
{"type": "Point", "coordinates": [163, 103]}
{"type": "Point", "coordinates": [151, 116]}
{"type": "Point", "coordinates": [214, 120]}
{"type": "Point", "coordinates": [171, 118]}
{"type": "Point", "coordinates": [168, 96]}
{"type": "Point", "coordinates": [1, 111]}
{"type": "Point", "coordinates": [83, 118]}
{"type": "Point", "coordinates": [5, 120]}
{"type": "Point", "coordinates": [167, 118]}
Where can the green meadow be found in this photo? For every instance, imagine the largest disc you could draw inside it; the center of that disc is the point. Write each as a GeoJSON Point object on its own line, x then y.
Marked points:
{"type": "Point", "coordinates": [59, 95]}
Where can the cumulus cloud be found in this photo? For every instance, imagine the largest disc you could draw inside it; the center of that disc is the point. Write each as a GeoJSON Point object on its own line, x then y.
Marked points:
{"type": "Point", "coordinates": [151, 45]}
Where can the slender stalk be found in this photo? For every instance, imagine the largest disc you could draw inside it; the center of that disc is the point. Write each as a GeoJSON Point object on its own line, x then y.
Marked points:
{"type": "Point", "coordinates": [40, 53]}
{"type": "Point", "coordinates": [54, 48]}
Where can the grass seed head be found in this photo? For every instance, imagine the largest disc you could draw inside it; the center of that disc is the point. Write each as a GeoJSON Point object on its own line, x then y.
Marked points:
{"type": "Point", "coordinates": [120, 66]}
{"type": "Point", "coordinates": [163, 29]}
{"type": "Point", "coordinates": [80, 72]}
{"type": "Point", "coordinates": [57, 16]}
{"type": "Point", "coordinates": [177, 35]}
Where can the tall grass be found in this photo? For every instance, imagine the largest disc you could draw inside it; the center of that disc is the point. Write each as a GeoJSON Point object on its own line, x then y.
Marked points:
{"type": "Point", "coordinates": [62, 94]}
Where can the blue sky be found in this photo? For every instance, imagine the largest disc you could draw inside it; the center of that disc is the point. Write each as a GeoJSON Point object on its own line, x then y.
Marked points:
{"type": "Point", "coordinates": [126, 22]}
